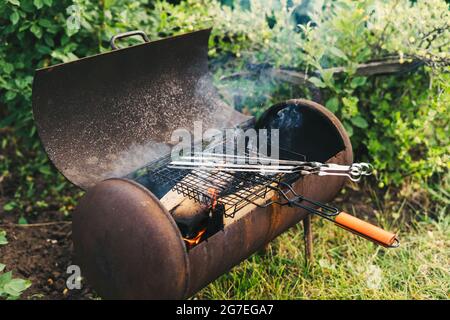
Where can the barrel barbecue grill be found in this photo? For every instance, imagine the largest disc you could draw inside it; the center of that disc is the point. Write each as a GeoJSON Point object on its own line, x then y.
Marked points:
{"type": "Point", "coordinates": [106, 123]}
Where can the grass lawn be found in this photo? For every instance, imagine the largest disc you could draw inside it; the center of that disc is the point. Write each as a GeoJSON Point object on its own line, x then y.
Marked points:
{"type": "Point", "coordinates": [346, 266]}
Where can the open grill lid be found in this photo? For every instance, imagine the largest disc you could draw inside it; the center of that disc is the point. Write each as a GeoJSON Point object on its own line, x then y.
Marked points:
{"type": "Point", "coordinates": [106, 115]}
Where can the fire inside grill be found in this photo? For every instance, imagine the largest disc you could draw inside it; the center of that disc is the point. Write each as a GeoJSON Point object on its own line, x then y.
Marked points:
{"type": "Point", "coordinates": [196, 239]}
{"type": "Point", "coordinates": [211, 195]}
{"type": "Point", "coordinates": [222, 191]}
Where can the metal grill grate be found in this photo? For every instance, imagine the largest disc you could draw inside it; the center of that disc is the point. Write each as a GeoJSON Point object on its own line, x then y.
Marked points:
{"type": "Point", "coordinates": [232, 190]}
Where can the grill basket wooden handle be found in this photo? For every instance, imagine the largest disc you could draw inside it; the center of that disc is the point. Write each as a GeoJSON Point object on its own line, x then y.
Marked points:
{"type": "Point", "coordinates": [366, 230]}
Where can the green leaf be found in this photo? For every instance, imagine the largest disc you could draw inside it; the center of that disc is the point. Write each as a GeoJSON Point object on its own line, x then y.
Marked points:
{"type": "Point", "coordinates": [10, 95]}
{"type": "Point", "coordinates": [38, 3]}
{"type": "Point", "coordinates": [27, 6]}
{"type": "Point", "coordinates": [317, 82]}
{"type": "Point", "coordinates": [45, 23]}
{"type": "Point", "coordinates": [358, 82]}
{"type": "Point", "coordinates": [11, 288]}
{"type": "Point", "coordinates": [8, 67]}
{"type": "Point", "coordinates": [3, 239]}
{"type": "Point", "coordinates": [9, 206]}
{"type": "Point", "coordinates": [16, 286]}
{"type": "Point", "coordinates": [348, 127]}
{"type": "Point", "coordinates": [108, 3]}
{"type": "Point", "coordinates": [14, 17]}
{"type": "Point", "coordinates": [2, 267]}
{"type": "Point", "coordinates": [359, 122]}
{"type": "Point", "coordinates": [15, 2]}
{"type": "Point", "coordinates": [45, 170]}
{"type": "Point", "coordinates": [11, 292]}
{"type": "Point", "coordinates": [337, 53]}
{"type": "Point", "coordinates": [37, 31]}
{"type": "Point", "coordinates": [350, 101]}
{"type": "Point", "coordinates": [48, 3]}
{"type": "Point", "coordinates": [327, 76]}
{"type": "Point", "coordinates": [49, 41]}
{"type": "Point", "coordinates": [22, 220]}
{"type": "Point", "coordinates": [43, 49]}
{"type": "Point", "coordinates": [351, 106]}
{"type": "Point", "coordinates": [5, 278]}
{"type": "Point", "coordinates": [332, 104]}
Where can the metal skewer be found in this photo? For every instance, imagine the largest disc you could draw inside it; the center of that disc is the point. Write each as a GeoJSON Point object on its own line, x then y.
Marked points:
{"type": "Point", "coordinates": [232, 163]}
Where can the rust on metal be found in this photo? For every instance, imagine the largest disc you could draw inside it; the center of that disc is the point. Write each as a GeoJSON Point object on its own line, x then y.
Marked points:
{"type": "Point", "coordinates": [107, 115]}
{"type": "Point", "coordinates": [308, 238]}
{"type": "Point", "coordinates": [127, 244]}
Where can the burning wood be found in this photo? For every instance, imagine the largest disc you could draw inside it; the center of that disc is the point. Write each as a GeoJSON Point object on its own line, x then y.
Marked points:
{"type": "Point", "coordinates": [191, 217]}
{"type": "Point", "coordinates": [196, 240]}
{"type": "Point", "coordinates": [194, 219]}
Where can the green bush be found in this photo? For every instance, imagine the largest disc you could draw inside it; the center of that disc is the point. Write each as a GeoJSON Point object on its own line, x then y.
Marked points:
{"type": "Point", "coordinates": [10, 288]}
{"type": "Point", "coordinates": [398, 122]}
{"type": "Point", "coordinates": [35, 34]}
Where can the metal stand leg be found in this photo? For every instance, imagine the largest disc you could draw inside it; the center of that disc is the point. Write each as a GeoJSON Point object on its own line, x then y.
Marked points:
{"type": "Point", "coordinates": [308, 237]}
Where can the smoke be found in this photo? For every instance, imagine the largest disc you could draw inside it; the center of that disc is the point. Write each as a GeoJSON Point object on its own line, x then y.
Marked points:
{"type": "Point", "coordinates": [242, 80]}
{"type": "Point", "coordinates": [135, 156]}
{"type": "Point", "coordinates": [273, 39]}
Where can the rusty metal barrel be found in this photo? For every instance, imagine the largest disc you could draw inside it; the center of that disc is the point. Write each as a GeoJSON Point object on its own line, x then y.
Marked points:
{"type": "Point", "coordinates": [102, 117]}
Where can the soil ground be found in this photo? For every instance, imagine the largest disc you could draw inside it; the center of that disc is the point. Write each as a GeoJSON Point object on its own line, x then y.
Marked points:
{"type": "Point", "coordinates": [41, 252]}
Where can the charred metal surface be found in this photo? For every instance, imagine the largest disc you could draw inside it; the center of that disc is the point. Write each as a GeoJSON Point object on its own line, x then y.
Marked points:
{"type": "Point", "coordinates": [107, 115]}
{"type": "Point", "coordinates": [322, 189]}
{"type": "Point", "coordinates": [303, 129]}
{"type": "Point", "coordinates": [127, 245]}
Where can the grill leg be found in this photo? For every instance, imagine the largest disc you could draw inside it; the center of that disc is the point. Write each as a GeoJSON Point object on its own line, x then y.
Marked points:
{"type": "Point", "coordinates": [308, 237]}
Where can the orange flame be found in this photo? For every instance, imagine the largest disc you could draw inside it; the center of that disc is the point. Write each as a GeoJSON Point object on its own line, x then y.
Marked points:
{"type": "Point", "coordinates": [213, 193]}
{"type": "Point", "coordinates": [196, 239]}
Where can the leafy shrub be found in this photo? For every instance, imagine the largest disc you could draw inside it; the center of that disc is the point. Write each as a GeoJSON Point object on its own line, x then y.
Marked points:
{"type": "Point", "coordinates": [3, 239]}
{"type": "Point", "coordinates": [10, 288]}
{"type": "Point", "coordinates": [35, 34]}
{"type": "Point", "coordinates": [399, 123]}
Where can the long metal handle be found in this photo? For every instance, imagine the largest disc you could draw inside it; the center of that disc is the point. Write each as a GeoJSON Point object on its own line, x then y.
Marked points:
{"type": "Point", "coordinates": [366, 230]}
{"type": "Point", "coordinates": [141, 33]}
{"type": "Point", "coordinates": [293, 198]}
{"type": "Point", "coordinates": [357, 226]}
{"type": "Point", "coordinates": [344, 220]}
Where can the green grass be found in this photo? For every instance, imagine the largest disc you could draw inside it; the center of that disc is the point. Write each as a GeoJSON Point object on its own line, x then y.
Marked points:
{"type": "Point", "coordinates": [346, 266]}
